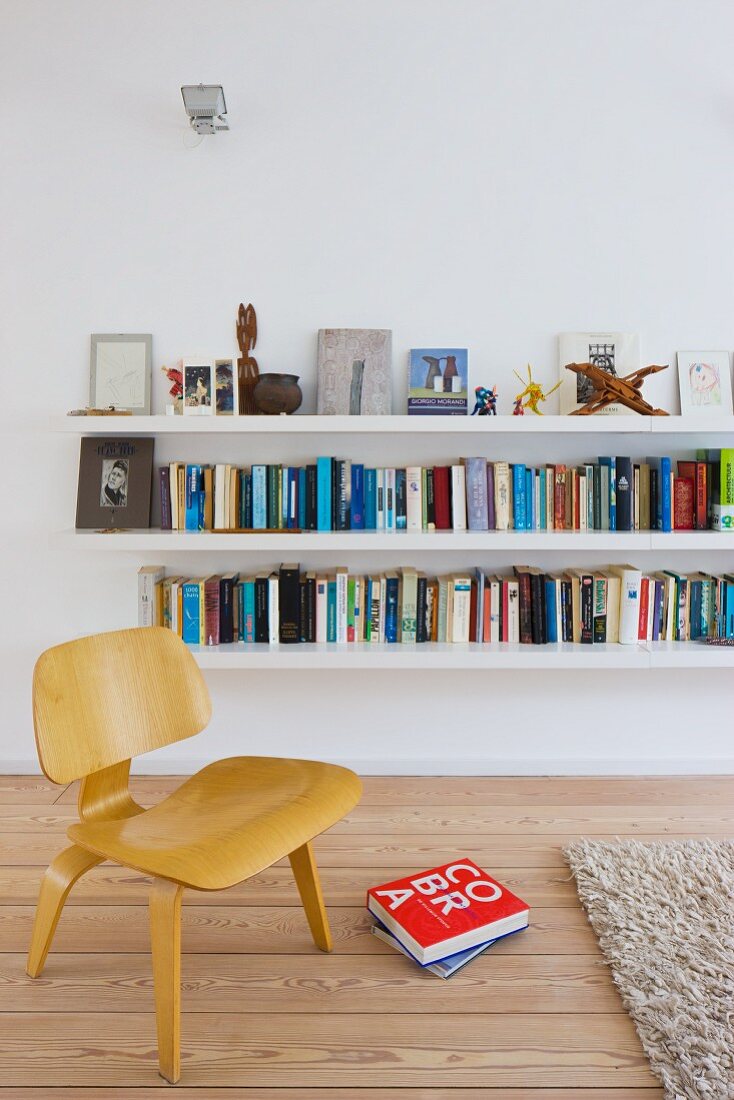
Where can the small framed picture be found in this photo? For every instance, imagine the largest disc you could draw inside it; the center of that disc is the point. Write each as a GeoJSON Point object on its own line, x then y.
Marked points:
{"type": "Point", "coordinates": [224, 387]}
{"type": "Point", "coordinates": [120, 372]}
{"type": "Point", "coordinates": [617, 353]}
{"type": "Point", "coordinates": [198, 384]}
{"type": "Point", "coordinates": [114, 483]}
{"type": "Point", "coordinates": [704, 379]}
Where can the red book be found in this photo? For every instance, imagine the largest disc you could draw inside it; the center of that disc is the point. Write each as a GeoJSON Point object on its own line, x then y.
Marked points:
{"type": "Point", "coordinates": [442, 497]}
{"type": "Point", "coordinates": [487, 616]}
{"type": "Point", "coordinates": [559, 499]}
{"type": "Point", "coordinates": [447, 909]}
{"type": "Point", "coordinates": [683, 506]}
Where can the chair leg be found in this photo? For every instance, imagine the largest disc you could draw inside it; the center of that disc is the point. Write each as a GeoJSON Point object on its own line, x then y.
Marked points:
{"type": "Point", "coordinates": [306, 875]}
{"type": "Point", "coordinates": [60, 876]}
{"type": "Point", "coordinates": [165, 939]}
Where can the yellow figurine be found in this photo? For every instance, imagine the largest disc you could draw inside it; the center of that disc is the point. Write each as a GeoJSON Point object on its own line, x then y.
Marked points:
{"type": "Point", "coordinates": [532, 394]}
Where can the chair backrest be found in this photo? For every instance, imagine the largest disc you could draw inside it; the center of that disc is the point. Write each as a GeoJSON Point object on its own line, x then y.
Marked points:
{"type": "Point", "coordinates": [106, 698]}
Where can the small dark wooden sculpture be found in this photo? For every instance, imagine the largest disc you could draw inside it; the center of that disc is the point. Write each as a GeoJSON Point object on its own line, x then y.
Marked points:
{"type": "Point", "coordinates": [609, 389]}
{"type": "Point", "coordinates": [247, 369]}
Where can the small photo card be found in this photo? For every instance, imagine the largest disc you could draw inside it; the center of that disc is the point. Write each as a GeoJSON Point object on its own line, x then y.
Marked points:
{"type": "Point", "coordinates": [198, 383]}
{"type": "Point", "coordinates": [224, 387]}
{"type": "Point", "coordinates": [704, 379]}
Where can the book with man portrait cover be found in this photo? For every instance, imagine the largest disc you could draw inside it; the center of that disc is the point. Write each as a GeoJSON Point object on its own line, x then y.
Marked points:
{"type": "Point", "coordinates": [114, 483]}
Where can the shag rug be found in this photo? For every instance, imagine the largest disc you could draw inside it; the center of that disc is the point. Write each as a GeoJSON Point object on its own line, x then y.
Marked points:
{"type": "Point", "coordinates": [664, 917]}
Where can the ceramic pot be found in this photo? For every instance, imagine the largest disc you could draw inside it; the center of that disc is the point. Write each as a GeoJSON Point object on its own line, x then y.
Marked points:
{"type": "Point", "coordinates": [277, 393]}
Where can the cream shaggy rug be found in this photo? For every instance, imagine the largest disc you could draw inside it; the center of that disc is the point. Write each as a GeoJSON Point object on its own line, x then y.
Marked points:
{"type": "Point", "coordinates": [664, 916]}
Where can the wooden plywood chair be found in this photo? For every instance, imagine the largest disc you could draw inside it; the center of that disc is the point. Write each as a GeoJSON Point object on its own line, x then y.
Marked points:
{"type": "Point", "coordinates": [101, 700]}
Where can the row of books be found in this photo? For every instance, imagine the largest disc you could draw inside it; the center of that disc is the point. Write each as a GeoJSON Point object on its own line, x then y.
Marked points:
{"type": "Point", "coordinates": [617, 604]}
{"type": "Point", "coordinates": [444, 917]}
{"type": "Point", "coordinates": [615, 493]}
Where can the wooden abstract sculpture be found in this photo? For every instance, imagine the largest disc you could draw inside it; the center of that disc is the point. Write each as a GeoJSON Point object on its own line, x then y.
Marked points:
{"type": "Point", "coordinates": [609, 389]}
{"type": "Point", "coordinates": [248, 371]}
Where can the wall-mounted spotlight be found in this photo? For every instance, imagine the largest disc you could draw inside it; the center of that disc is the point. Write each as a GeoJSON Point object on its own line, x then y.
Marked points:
{"type": "Point", "coordinates": [205, 107]}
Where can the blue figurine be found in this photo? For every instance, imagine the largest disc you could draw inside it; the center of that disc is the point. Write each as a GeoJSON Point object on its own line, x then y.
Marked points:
{"type": "Point", "coordinates": [486, 401]}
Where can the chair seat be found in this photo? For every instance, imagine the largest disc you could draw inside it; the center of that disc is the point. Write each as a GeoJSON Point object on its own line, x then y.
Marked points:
{"type": "Point", "coordinates": [232, 819]}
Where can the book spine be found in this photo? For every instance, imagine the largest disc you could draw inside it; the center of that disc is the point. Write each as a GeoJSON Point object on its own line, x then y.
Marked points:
{"type": "Point", "coordinates": [370, 499]}
{"type": "Point", "coordinates": [381, 506]}
{"type": "Point", "coordinates": [262, 631]}
{"type": "Point", "coordinates": [600, 609]}
{"type": "Point", "coordinates": [273, 610]}
{"type": "Point", "coordinates": [525, 598]}
{"type": "Point", "coordinates": [351, 608]}
{"type": "Point", "coordinates": [289, 603]}
{"type": "Point", "coordinates": [259, 498]}
{"type": "Point", "coordinates": [414, 498]}
{"type": "Point", "coordinates": [666, 494]}
{"type": "Point", "coordinates": [519, 486]}
{"type": "Point", "coordinates": [538, 625]}
{"type": "Point", "coordinates": [625, 503]}
{"type": "Point", "coordinates": [491, 516]}
{"type": "Point", "coordinates": [226, 610]}
{"type": "Point", "coordinates": [342, 585]}
{"type": "Point", "coordinates": [458, 498]}
{"type": "Point", "coordinates": [302, 496]}
{"type": "Point", "coordinates": [322, 607]}
{"type": "Point", "coordinates": [390, 499]}
{"type": "Point", "coordinates": [421, 632]}
{"type": "Point", "coordinates": [476, 494]}
{"type": "Point", "coordinates": [629, 606]}
{"type": "Point", "coordinates": [551, 616]}
{"type": "Point", "coordinates": [147, 581]}
{"type": "Point", "coordinates": [164, 476]}
{"type": "Point", "coordinates": [559, 497]}
{"type": "Point", "coordinates": [323, 494]}
{"type": "Point", "coordinates": [502, 496]}
{"type": "Point", "coordinates": [701, 496]}
{"type": "Point", "coordinates": [357, 513]}
{"type": "Point", "coordinates": [401, 503]}
{"type": "Point", "coordinates": [442, 497]}
{"type": "Point", "coordinates": [461, 619]}
{"type": "Point", "coordinates": [430, 509]}
{"type": "Point", "coordinates": [331, 609]}
{"type": "Point", "coordinates": [190, 598]}
{"type": "Point", "coordinates": [409, 609]}
{"type": "Point", "coordinates": [392, 595]}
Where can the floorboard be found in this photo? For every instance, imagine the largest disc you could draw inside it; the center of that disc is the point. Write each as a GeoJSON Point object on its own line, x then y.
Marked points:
{"type": "Point", "coordinates": [268, 1017]}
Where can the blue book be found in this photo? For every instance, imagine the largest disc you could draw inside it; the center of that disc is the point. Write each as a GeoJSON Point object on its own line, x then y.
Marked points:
{"type": "Point", "coordinates": [392, 592]}
{"type": "Point", "coordinates": [248, 611]}
{"type": "Point", "coordinates": [665, 495]}
{"type": "Point", "coordinates": [357, 517]}
{"type": "Point", "coordinates": [331, 609]}
{"type": "Point", "coordinates": [370, 500]}
{"type": "Point", "coordinates": [519, 507]}
{"type": "Point", "coordinates": [259, 497]}
{"type": "Point", "coordinates": [302, 497]}
{"type": "Point", "coordinates": [194, 513]}
{"type": "Point", "coordinates": [323, 495]}
{"type": "Point", "coordinates": [190, 611]}
{"type": "Point", "coordinates": [550, 609]}
{"type": "Point", "coordinates": [611, 463]}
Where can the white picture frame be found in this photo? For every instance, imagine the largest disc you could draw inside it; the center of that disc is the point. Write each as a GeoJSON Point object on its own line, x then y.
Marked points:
{"type": "Point", "coordinates": [119, 371]}
{"type": "Point", "coordinates": [198, 387]}
{"type": "Point", "coordinates": [621, 350]}
{"type": "Point", "coordinates": [226, 398]}
{"type": "Point", "coordinates": [704, 382]}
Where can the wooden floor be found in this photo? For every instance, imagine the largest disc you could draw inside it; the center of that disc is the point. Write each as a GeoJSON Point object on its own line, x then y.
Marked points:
{"type": "Point", "coordinates": [268, 1017]}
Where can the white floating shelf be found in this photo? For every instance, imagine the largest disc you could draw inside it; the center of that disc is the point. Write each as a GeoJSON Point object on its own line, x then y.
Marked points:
{"type": "Point", "coordinates": [359, 425]}
{"type": "Point", "coordinates": [690, 655]}
{"type": "Point", "coordinates": [346, 541]}
{"type": "Point", "coordinates": [702, 425]}
{"type": "Point", "coordinates": [692, 540]}
{"type": "Point", "coordinates": [434, 655]}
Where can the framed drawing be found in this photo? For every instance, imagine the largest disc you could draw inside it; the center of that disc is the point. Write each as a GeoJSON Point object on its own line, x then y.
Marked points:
{"type": "Point", "coordinates": [119, 373]}
{"type": "Point", "coordinates": [354, 372]}
{"type": "Point", "coordinates": [198, 385]}
{"type": "Point", "coordinates": [114, 483]}
{"type": "Point", "coordinates": [615, 352]}
{"type": "Point", "coordinates": [224, 388]}
{"type": "Point", "coordinates": [704, 379]}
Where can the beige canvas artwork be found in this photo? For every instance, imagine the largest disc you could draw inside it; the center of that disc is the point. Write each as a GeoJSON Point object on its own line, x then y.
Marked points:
{"type": "Point", "coordinates": [354, 372]}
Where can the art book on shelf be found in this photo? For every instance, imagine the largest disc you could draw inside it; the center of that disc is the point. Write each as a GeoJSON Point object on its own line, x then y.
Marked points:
{"type": "Point", "coordinates": [447, 909]}
{"type": "Point", "coordinates": [443, 968]}
{"type": "Point", "coordinates": [438, 382]}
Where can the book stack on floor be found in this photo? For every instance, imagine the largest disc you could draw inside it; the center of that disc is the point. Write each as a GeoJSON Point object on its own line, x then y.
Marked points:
{"type": "Point", "coordinates": [443, 918]}
{"type": "Point", "coordinates": [333, 494]}
{"type": "Point", "coordinates": [619, 604]}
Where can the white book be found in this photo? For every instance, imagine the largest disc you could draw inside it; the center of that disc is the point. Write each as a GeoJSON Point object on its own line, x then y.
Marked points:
{"type": "Point", "coordinates": [383, 601]}
{"type": "Point", "coordinates": [583, 525]}
{"type": "Point", "coordinates": [342, 581]}
{"type": "Point", "coordinates": [495, 596]}
{"type": "Point", "coordinates": [273, 610]}
{"type": "Point", "coordinates": [148, 577]}
{"type": "Point", "coordinates": [442, 968]}
{"type": "Point", "coordinates": [629, 603]}
{"type": "Point", "coordinates": [502, 496]}
{"type": "Point", "coordinates": [461, 608]}
{"type": "Point", "coordinates": [408, 609]}
{"type": "Point", "coordinates": [458, 497]}
{"type": "Point", "coordinates": [614, 586]}
{"type": "Point", "coordinates": [219, 495]}
{"type": "Point", "coordinates": [414, 498]}
{"type": "Point", "coordinates": [322, 606]}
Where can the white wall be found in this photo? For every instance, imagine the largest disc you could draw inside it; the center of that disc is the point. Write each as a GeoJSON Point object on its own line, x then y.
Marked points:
{"type": "Point", "coordinates": [466, 172]}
